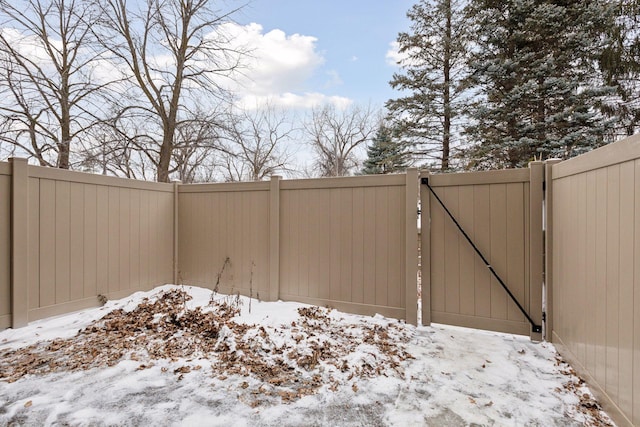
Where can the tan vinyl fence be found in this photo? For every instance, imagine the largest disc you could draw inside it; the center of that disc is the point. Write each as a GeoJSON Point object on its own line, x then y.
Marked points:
{"type": "Point", "coordinates": [501, 212]}
{"type": "Point", "coordinates": [76, 236]}
{"type": "Point", "coordinates": [594, 271]}
{"type": "Point", "coordinates": [5, 245]}
{"type": "Point", "coordinates": [68, 237]}
{"type": "Point", "coordinates": [344, 242]}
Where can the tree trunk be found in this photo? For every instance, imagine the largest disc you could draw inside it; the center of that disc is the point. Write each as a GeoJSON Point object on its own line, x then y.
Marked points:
{"type": "Point", "coordinates": [165, 157]}
{"type": "Point", "coordinates": [446, 134]}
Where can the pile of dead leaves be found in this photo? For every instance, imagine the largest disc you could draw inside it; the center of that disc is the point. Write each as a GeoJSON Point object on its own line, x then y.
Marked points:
{"type": "Point", "coordinates": [286, 362]}
{"type": "Point", "coordinates": [588, 406]}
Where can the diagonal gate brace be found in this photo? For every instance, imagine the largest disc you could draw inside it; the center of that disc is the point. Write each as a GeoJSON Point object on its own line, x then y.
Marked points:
{"type": "Point", "coordinates": [534, 326]}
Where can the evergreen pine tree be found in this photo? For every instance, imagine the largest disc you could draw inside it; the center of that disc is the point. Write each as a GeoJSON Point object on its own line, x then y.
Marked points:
{"type": "Point", "coordinates": [537, 80]}
{"type": "Point", "coordinates": [620, 65]}
{"type": "Point", "coordinates": [435, 54]}
{"type": "Point", "coordinates": [385, 154]}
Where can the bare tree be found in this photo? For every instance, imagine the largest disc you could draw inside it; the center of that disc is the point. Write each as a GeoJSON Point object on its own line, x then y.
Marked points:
{"type": "Point", "coordinates": [256, 144]}
{"type": "Point", "coordinates": [336, 135]}
{"type": "Point", "coordinates": [170, 50]}
{"type": "Point", "coordinates": [47, 87]}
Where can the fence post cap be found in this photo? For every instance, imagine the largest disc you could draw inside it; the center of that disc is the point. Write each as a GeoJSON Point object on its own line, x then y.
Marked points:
{"type": "Point", "coordinates": [18, 159]}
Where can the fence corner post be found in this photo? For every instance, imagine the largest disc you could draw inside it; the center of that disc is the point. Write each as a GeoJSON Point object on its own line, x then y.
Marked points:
{"type": "Point", "coordinates": [19, 242]}
{"type": "Point", "coordinates": [274, 238]}
{"type": "Point", "coordinates": [176, 226]}
{"type": "Point", "coordinates": [411, 246]}
{"type": "Point", "coordinates": [536, 244]}
{"type": "Point", "coordinates": [425, 250]}
{"type": "Point", "coordinates": [548, 248]}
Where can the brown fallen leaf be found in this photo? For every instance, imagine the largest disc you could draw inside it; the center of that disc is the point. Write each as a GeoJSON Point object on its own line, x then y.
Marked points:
{"type": "Point", "coordinates": [28, 404]}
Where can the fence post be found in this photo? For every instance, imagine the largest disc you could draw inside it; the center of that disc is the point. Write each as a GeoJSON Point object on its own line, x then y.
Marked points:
{"type": "Point", "coordinates": [548, 249]}
{"type": "Point", "coordinates": [536, 244]}
{"type": "Point", "coordinates": [425, 250]}
{"type": "Point", "coordinates": [411, 245]}
{"type": "Point", "coordinates": [176, 224]}
{"type": "Point", "coordinates": [19, 242]}
{"type": "Point", "coordinates": [274, 238]}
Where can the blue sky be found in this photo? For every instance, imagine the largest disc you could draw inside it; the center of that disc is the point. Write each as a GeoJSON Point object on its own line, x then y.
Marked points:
{"type": "Point", "coordinates": [336, 50]}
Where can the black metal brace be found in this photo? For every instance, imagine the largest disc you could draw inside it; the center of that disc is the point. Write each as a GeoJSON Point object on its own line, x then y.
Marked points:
{"type": "Point", "coordinates": [534, 326]}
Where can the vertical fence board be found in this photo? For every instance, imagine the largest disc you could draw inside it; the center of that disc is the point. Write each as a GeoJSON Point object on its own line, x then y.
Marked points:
{"type": "Point", "coordinates": [76, 241]}
{"type": "Point", "coordinates": [370, 219]}
{"type": "Point", "coordinates": [425, 248]}
{"type": "Point", "coordinates": [450, 198]}
{"type": "Point", "coordinates": [382, 246]}
{"type": "Point", "coordinates": [438, 278]}
{"type": "Point", "coordinates": [515, 272]}
{"type": "Point", "coordinates": [90, 242]}
{"type": "Point", "coordinates": [134, 240]}
{"type": "Point", "coordinates": [102, 240]}
{"type": "Point", "coordinates": [635, 415]}
{"type": "Point", "coordinates": [590, 267]}
{"type": "Point", "coordinates": [124, 241]}
{"type": "Point", "coordinates": [498, 198]}
{"type": "Point", "coordinates": [357, 237]}
{"type": "Point", "coordinates": [34, 243]}
{"type": "Point", "coordinates": [612, 382]}
{"type": "Point", "coordinates": [467, 254]}
{"type": "Point", "coordinates": [482, 236]}
{"type": "Point", "coordinates": [5, 249]}
{"type": "Point", "coordinates": [627, 205]}
{"type": "Point", "coordinates": [304, 242]}
{"type": "Point", "coordinates": [47, 241]}
{"type": "Point", "coordinates": [396, 253]}
{"type": "Point", "coordinates": [62, 235]}
{"type": "Point", "coordinates": [601, 276]}
{"type": "Point", "coordinates": [346, 243]}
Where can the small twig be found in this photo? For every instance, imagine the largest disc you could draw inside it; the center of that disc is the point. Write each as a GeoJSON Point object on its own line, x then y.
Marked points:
{"type": "Point", "coordinates": [253, 264]}
{"type": "Point", "coordinates": [227, 261]}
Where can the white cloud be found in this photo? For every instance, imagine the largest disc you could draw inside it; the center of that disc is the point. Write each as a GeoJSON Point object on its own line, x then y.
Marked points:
{"type": "Point", "coordinates": [279, 67]}
{"type": "Point", "coordinates": [393, 55]}
{"type": "Point", "coordinates": [334, 79]}
{"type": "Point", "coordinates": [277, 62]}
{"type": "Point", "coordinates": [291, 100]}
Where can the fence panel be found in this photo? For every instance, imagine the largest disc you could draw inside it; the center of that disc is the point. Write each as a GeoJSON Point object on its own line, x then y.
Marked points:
{"type": "Point", "coordinates": [495, 210]}
{"type": "Point", "coordinates": [596, 272]}
{"type": "Point", "coordinates": [5, 245]}
{"type": "Point", "coordinates": [343, 243]}
{"type": "Point", "coordinates": [339, 241]}
{"type": "Point", "coordinates": [76, 236]}
{"type": "Point", "coordinates": [220, 221]}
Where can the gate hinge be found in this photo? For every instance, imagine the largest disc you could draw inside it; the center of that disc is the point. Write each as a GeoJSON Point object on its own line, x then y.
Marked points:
{"type": "Point", "coordinates": [544, 316]}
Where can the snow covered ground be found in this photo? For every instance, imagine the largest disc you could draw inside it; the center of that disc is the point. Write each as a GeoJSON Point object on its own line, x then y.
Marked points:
{"type": "Point", "coordinates": [185, 356]}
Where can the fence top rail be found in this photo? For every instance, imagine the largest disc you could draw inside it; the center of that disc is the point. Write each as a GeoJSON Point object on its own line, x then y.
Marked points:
{"type": "Point", "coordinates": [345, 182]}
{"type": "Point", "coordinates": [618, 152]}
{"type": "Point", "coordinates": [478, 178]}
{"type": "Point", "coordinates": [221, 187]}
{"type": "Point", "coordinates": [88, 178]}
{"type": "Point", "coordinates": [5, 168]}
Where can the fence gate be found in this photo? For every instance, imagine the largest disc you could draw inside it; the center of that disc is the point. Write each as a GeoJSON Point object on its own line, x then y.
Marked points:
{"type": "Point", "coordinates": [501, 213]}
